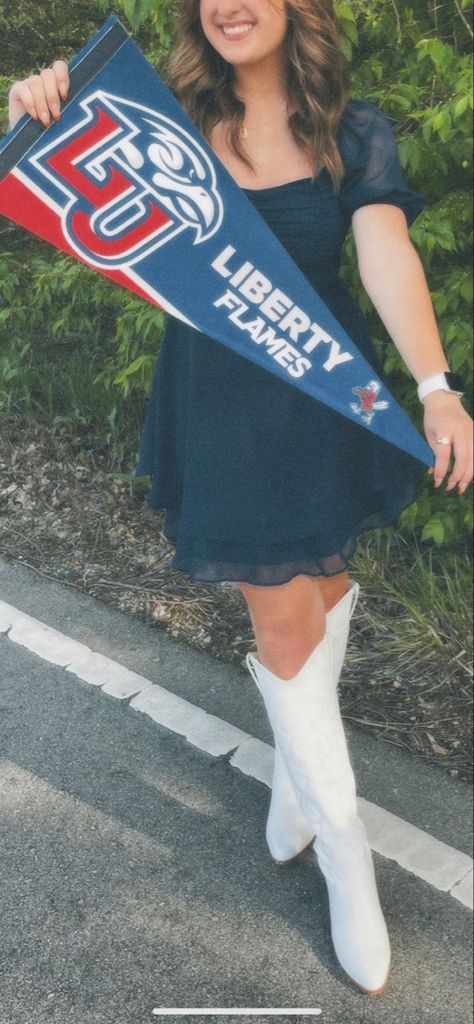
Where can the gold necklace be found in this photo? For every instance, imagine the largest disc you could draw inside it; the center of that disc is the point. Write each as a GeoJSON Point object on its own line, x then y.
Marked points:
{"type": "Point", "coordinates": [243, 132]}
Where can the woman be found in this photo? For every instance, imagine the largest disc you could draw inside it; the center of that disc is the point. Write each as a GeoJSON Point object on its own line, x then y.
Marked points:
{"type": "Point", "coordinates": [261, 484]}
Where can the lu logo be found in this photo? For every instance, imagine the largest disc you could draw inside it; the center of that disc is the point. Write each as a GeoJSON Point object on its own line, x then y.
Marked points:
{"type": "Point", "coordinates": [124, 200]}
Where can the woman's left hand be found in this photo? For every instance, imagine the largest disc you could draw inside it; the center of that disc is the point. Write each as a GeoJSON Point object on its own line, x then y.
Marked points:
{"type": "Point", "coordinates": [446, 417]}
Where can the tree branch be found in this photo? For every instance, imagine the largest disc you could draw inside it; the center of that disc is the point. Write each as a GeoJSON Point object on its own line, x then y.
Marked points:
{"type": "Point", "coordinates": [463, 18]}
{"type": "Point", "coordinates": [397, 15]}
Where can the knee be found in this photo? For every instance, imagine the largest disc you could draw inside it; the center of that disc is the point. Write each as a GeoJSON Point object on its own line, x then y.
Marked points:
{"type": "Point", "coordinates": [285, 624]}
{"type": "Point", "coordinates": [289, 633]}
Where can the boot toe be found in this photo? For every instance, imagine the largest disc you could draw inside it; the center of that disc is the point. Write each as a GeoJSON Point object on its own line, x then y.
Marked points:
{"type": "Point", "coordinates": [367, 965]}
{"type": "Point", "coordinates": [285, 844]}
{"type": "Point", "coordinates": [285, 855]}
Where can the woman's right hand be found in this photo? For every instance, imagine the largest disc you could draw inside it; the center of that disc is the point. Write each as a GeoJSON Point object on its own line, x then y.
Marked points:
{"type": "Point", "coordinates": [40, 95]}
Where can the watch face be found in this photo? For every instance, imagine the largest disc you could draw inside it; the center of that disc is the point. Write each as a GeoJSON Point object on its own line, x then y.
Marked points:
{"type": "Point", "coordinates": [454, 382]}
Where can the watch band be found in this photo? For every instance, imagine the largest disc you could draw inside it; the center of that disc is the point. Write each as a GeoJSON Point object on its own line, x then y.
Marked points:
{"type": "Point", "coordinates": [438, 382]}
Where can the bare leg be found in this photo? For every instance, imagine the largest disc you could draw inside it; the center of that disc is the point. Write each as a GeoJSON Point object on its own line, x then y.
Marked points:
{"type": "Point", "coordinates": [333, 588]}
{"type": "Point", "coordinates": [289, 620]}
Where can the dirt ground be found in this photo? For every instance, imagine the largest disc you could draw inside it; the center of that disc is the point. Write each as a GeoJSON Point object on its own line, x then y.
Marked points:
{"type": "Point", "coordinates": [70, 519]}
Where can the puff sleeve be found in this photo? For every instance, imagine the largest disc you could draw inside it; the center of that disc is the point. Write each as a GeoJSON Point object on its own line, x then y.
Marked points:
{"type": "Point", "coordinates": [373, 173]}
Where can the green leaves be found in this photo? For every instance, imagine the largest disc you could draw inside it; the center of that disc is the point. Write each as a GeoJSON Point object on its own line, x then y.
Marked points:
{"type": "Point", "coordinates": [154, 17]}
{"type": "Point", "coordinates": [440, 54]}
{"type": "Point", "coordinates": [137, 11]}
{"type": "Point", "coordinates": [434, 530]}
{"type": "Point", "coordinates": [350, 35]}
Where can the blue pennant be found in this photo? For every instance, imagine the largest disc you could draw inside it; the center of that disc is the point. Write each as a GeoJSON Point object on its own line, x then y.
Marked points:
{"type": "Point", "coordinates": [127, 184]}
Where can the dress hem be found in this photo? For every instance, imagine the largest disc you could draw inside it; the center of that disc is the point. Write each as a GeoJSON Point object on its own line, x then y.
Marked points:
{"type": "Point", "coordinates": [310, 565]}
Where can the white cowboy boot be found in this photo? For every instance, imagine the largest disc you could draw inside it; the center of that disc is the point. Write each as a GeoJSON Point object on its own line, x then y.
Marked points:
{"type": "Point", "coordinates": [305, 717]}
{"type": "Point", "coordinates": [288, 832]}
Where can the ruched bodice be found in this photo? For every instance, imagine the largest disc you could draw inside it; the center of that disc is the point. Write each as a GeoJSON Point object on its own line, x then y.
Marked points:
{"type": "Point", "coordinates": [309, 222]}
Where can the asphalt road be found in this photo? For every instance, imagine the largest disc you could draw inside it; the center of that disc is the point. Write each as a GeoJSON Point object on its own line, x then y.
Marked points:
{"type": "Point", "coordinates": [134, 869]}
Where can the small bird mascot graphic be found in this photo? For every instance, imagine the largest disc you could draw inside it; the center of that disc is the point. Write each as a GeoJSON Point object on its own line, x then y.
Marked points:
{"type": "Point", "coordinates": [368, 401]}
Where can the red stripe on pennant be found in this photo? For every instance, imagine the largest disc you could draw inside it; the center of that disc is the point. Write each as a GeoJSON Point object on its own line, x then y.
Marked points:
{"type": "Point", "coordinates": [18, 203]}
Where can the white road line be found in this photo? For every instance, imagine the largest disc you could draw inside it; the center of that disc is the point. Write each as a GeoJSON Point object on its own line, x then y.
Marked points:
{"type": "Point", "coordinates": [437, 863]}
{"type": "Point", "coordinates": [236, 1011]}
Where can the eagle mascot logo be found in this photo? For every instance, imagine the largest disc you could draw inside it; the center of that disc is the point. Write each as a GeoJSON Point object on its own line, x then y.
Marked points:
{"type": "Point", "coordinates": [368, 401]}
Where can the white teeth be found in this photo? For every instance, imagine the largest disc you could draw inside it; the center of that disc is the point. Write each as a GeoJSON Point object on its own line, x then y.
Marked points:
{"type": "Point", "coordinates": [236, 30]}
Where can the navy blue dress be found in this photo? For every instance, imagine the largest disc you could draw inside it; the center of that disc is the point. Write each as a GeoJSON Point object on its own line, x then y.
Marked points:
{"type": "Point", "coordinates": [259, 481]}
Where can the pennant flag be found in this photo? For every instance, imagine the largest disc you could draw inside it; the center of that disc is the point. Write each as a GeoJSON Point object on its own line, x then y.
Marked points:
{"type": "Point", "coordinates": [125, 183]}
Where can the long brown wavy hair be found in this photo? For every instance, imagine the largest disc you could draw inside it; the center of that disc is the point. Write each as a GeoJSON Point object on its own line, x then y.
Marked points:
{"type": "Point", "coordinates": [317, 85]}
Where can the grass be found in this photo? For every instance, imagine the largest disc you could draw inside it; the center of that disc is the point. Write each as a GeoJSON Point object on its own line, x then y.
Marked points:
{"type": "Point", "coordinates": [76, 397]}
{"type": "Point", "coordinates": [427, 590]}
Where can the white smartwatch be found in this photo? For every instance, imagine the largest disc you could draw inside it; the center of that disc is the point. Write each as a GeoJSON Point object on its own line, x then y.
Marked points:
{"type": "Point", "coordinates": [440, 382]}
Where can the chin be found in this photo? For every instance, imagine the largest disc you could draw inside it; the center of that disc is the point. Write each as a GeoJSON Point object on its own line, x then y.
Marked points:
{"type": "Point", "coordinates": [249, 56]}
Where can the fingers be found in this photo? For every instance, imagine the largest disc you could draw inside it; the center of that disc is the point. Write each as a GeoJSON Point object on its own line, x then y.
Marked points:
{"type": "Point", "coordinates": [443, 454]}
{"type": "Point", "coordinates": [462, 469]}
{"type": "Point", "coordinates": [51, 93]}
{"type": "Point", "coordinates": [463, 455]}
{"type": "Point", "coordinates": [41, 94]}
{"type": "Point", "coordinates": [455, 426]}
{"type": "Point", "coordinates": [466, 479]}
{"type": "Point", "coordinates": [45, 94]}
{"type": "Point", "coordinates": [22, 92]}
{"type": "Point", "coordinates": [61, 71]}
{"type": "Point", "coordinates": [38, 100]}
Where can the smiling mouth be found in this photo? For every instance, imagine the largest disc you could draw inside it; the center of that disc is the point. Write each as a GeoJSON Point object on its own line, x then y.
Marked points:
{"type": "Point", "coordinates": [236, 31]}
